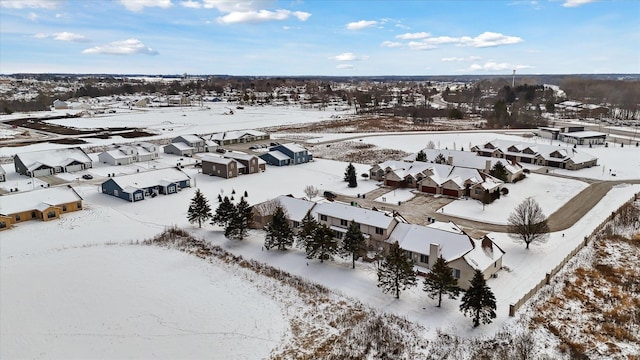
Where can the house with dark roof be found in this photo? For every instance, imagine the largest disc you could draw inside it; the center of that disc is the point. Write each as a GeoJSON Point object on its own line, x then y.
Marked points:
{"type": "Point", "coordinates": [51, 162]}
{"type": "Point", "coordinates": [137, 187]}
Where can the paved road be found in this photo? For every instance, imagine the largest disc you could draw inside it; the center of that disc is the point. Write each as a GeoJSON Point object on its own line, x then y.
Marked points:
{"type": "Point", "coordinates": [422, 207]}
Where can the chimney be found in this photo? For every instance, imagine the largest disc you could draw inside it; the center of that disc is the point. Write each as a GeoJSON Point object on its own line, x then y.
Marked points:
{"type": "Point", "coordinates": [434, 254]}
{"type": "Point", "coordinates": [487, 166]}
{"type": "Point", "coordinates": [450, 160]}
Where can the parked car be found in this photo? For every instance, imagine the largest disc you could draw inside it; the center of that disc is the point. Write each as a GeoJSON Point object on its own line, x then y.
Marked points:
{"type": "Point", "coordinates": [87, 176]}
{"type": "Point", "coordinates": [221, 150]}
{"type": "Point", "coordinates": [329, 195]}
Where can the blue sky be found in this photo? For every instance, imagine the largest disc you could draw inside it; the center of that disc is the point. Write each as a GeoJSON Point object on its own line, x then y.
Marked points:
{"type": "Point", "coordinates": [320, 37]}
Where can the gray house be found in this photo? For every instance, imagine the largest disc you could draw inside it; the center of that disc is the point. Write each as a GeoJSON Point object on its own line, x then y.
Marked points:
{"type": "Point", "coordinates": [287, 154]}
{"type": "Point", "coordinates": [138, 186]}
{"type": "Point", "coordinates": [51, 162]}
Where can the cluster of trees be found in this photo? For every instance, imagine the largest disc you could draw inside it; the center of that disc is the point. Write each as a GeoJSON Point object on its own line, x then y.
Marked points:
{"type": "Point", "coordinates": [235, 219]}
{"type": "Point", "coordinates": [396, 274]}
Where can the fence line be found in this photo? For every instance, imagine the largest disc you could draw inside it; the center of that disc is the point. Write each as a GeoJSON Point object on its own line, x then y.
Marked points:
{"type": "Point", "coordinates": [547, 279]}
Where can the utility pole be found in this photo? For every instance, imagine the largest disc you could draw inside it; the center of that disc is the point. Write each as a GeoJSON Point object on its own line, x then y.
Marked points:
{"type": "Point", "coordinates": [513, 79]}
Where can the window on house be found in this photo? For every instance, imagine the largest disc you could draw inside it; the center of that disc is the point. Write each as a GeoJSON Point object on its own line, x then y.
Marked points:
{"type": "Point", "coordinates": [171, 189]}
{"type": "Point", "coordinates": [323, 217]}
{"type": "Point", "coordinates": [64, 207]}
{"type": "Point", "coordinates": [338, 234]}
{"type": "Point", "coordinates": [379, 231]}
{"type": "Point", "coordinates": [33, 214]}
{"type": "Point", "coordinates": [343, 222]}
{"type": "Point", "coordinates": [115, 192]}
{"type": "Point", "coordinates": [296, 224]}
{"type": "Point", "coordinates": [424, 258]}
{"type": "Point", "coordinates": [17, 217]}
{"type": "Point", "coordinates": [51, 214]}
{"type": "Point", "coordinates": [408, 254]}
{"type": "Point", "coordinates": [456, 273]}
{"type": "Point", "coordinates": [79, 205]}
{"type": "Point", "coordinates": [477, 191]}
{"type": "Point", "coordinates": [3, 224]}
{"type": "Point", "coordinates": [138, 196]}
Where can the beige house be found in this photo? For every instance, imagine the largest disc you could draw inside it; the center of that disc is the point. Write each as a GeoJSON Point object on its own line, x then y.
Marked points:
{"type": "Point", "coordinates": [44, 204]}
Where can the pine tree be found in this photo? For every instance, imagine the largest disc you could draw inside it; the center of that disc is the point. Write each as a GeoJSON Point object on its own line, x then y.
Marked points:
{"type": "Point", "coordinates": [308, 228]}
{"type": "Point", "coordinates": [396, 272]}
{"type": "Point", "coordinates": [199, 209]}
{"type": "Point", "coordinates": [440, 159]}
{"type": "Point", "coordinates": [279, 232]}
{"type": "Point", "coordinates": [350, 176]}
{"type": "Point", "coordinates": [240, 221]}
{"type": "Point", "coordinates": [219, 198]}
{"type": "Point", "coordinates": [479, 301]}
{"type": "Point", "coordinates": [422, 156]}
{"type": "Point", "coordinates": [224, 213]}
{"type": "Point", "coordinates": [441, 281]}
{"type": "Point", "coordinates": [353, 243]}
{"type": "Point", "coordinates": [322, 244]}
{"type": "Point", "coordinates": [499, 171]}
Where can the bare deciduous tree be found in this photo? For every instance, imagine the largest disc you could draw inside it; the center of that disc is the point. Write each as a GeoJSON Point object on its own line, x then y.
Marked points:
{"type": "Point", "coordinates": [268, 207]}
{"type": "Point", "coordinates": [311, 191]}
{"type": "Point", "coordinates": [527, 223]}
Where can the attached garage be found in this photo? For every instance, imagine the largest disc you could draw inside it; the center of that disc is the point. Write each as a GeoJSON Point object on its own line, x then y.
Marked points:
{"type": "Point", "coordinates": [72, 168]}
{"type": "Point", "coordinates": [42, 172]}
{"type": "Point", "coordinates": [451, 192]}
{"type": "Point", "coordinates": [429, 189]}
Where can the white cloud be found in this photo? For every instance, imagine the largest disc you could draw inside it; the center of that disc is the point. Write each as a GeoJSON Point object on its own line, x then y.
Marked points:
{"type": "Point", "coordinates": [261, 16]}
{"type": "Point", "coordinates": [344, 66]}
{"type": "Point", "coordinates": [32, 16]}
{"type": "Point", "coordinates": [469, 58]}
{"type": "Point", "coordinates": [420, 45]}
{"type": "Point", "coordinates": [413, 36]}
{"type": "Point", "coordinates": [390, 44]}
{"type": "Point", "coordinates": [125, 47]}
{"type": "Point", "coordinates": [348, 56]}
{"type": "Point", "coordinates": [576, 3]}
{"type": "Point", "coordinates": [493, 66]}
{"type": "Point", "coordinates": [37, 4]}
{"type": "Point", "coordinates": [139, 5]}
{"type": "Point", "coordinates": [228, 6]}
{"type": "Point", "coordinates": [362, 24]}
{"type": "Point", "coordinates": [191, 4]}
{"type": "Point", "coordinates": [63, 36]}
{"type": "Point", "coordinates": [488, 39]}
{"type": "Point", "coordinates": [439, 40]}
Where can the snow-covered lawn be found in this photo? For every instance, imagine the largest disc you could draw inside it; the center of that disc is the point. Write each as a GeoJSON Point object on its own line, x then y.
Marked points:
{"type": "Point", "coordinates": [131, 302]}
{"type": "Point", "coordinates": [549, 191]}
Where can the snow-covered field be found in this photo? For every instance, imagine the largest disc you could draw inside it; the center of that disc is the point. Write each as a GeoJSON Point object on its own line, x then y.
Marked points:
{"type": "Point", "coordinates": [65, 294]}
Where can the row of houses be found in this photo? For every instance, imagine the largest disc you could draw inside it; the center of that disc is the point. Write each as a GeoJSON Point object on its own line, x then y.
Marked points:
{"type": "Point", "coordinates": [572, 135]}
{"type": "Point", "coordinates": [129, 154]}
{"type": "Point", "coordinates": [537, 154]}
{"type": "Point", "coordinates": [42, 204]}
{"type": "Point", "coordinates": [139, 186]}
{"type": "Point", "coordinates": [51, 162]}
{"type": "Point", "coordinates": [188, 145]}
{"type": "Point", "coordinates": [423, 244]}
{"type": "Point", "coordinates": [438, 179]}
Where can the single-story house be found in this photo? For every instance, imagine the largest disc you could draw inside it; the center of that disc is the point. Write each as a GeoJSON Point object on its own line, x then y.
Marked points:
{"type": "Point", "coordinates": [219, 166]}
{"type": "Point", "coordinates": [128, 154]}
{"type": "Point", "coordinates": [42, 204]}
{"type": "Point", "coordinates": [180, 149]}
{"type": "Point", "coordinates": [138, 186]}
{"type": "Point", "coordinates": [60, 105]}
{"type": "Point", "coordinates": [51, 162]}
{"type": "Point", "coordinates": [294, 209]}
{"type": "Point", "coordinates": [424, 244]}
{"type": "Point", "coordinates": [583, 137]}
{"type": "Point", "coordinates": [3, 174]}
{"type": "Point", "coordinates": [239, 137]}
{"type": "Point", "coordinates": [198, 144]}
{"type": "Point", "coordinates": [115, 157]}
{"type": "Point", "coordinates": [276, 158]}
{"type": "Point", "coordinates": [147, 151]}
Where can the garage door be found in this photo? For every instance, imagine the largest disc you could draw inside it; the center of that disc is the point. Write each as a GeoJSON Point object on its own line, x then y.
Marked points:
{"type": "Point", "coordinates": [42, 172]}
{"type": "Point", "coordinates": [429, 189]}
{"type": "Point", "coordinates": [72, 168]}
{"type": "Point", "coordinates": [450, 192]}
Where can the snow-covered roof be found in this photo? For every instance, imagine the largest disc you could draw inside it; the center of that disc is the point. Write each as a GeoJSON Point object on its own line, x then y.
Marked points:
{"type": "Point", "coordinates": [239, 155]}
{"type": "Point", "coordinates": [481, 257]}
{"type": "Point", "coordinates": [584, 134]}
{"type": "Point", "coordinates": [278, 155]}
{"type": "Point", "coordinates": [150, 178]}
{"type": "Point", "coordinates": [467, 159]}
{"type": "Point", "coordinates": [216, 159]}
{"type": "Point", "coordinates": [192, 138]}
{"type": "Point", "coordinates": [53, 158]}
{"type": "Point", "coordinates": [294, 147]}
{"type": "Point", "coordinates": [36, 199]}
{"type": "Point", "coordinates": [353, 213]}
{"type": "Point", "coordinates": [181, 146]}
{"type": "Point", "coordinates": [236, 134]}
{"type": "Point", "coordinates": [543, 150]}
{"type": "Point", "coordinates": [296, 209]}
{"type": "Point", "coordinates": [115, 154]}
{"type": "Point", "coordinates": [418, 238]}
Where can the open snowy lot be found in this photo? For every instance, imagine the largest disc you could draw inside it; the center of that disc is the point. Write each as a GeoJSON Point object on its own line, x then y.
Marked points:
{"type": "Point", "coordinates": [131, 302]}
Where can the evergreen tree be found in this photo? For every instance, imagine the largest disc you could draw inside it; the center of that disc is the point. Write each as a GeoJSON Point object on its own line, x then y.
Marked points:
{"type": "Point", "coordinates": [219, 198]}
{"type": "Point", "coordinates": [350, 176]}
{"type": "Point", "coordinates": [396, 272]}
{"type": "Point", "coordinates": [240, 221]}
{"type": "Point", "coordinates": [224, 213]}
{"type": "Point", "coordinates": [441, 281]}
{"type": "Point", "coordinates": [322, 244]}
{"type": "Point", "coordinates": [499, 171]}
{"type": "Point", "coordinates": [199, 209]}
{"type": "Point", "coordinates": [479, 301]}
{"type": "Point", "coordinates": [440, 159]}
{"type": "Point", "coordinates": [308, 228]}
{"type": "Point", "coordinates": [422, 156]}
{"type": "Point", "coordinates": [353, 243]}
{"type": "Point", "coordinates": [279, 233]}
